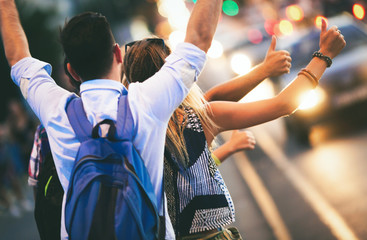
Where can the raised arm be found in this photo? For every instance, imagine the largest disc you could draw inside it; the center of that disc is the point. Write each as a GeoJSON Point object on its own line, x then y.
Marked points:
{"type": "Point", "coordinates": [184, 64]}
{"type": "Point", "coordinates": [201, 26]}
{"type": "Point", "coordinates": [13, 36]}
{"type": "Point", "coordinates": [275, 64]}
{"type": "Point", "coordinates": [229, 115]}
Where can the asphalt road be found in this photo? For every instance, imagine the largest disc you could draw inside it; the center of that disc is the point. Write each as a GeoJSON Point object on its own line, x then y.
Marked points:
{"type": "Point", "coordinates": [286, 190]}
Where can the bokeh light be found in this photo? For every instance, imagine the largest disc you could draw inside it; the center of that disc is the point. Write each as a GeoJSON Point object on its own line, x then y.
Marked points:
{"type": "Point", "coordinates": [230, 8]}
{"type": "Point", "coordinates": [175, 11]}
{"type": "Point", "coordinates": [240, 63]}
{"type": "Point", "coordinates": [358, 11]}
{"type": "Point", "coordinates": [163, 29]}
{"type": "Point", "coordinates": [269, 26]}
{"type": "Point", "coordinates": [255, 36]}
{"type": "Point", "coordinates": [311, 98]}
{"type": "Point", "coordinates": [264, 90]}
{"type": "Point", "coordinates": [139, 28]}
{"type": "Point", "coordinates": [215, 50]}
{"type": "Point", "coordinates": [175, 38]}
{"type": "Point", "coordinates": [165, 6]}
{"type": "Point", "coordinates": [268, 11]}
{"type": "Point", "coordinates": [318, 21]}
{"type": "Point", "coordinates": [285, 27]}
{"type": "Point", "coordinates": [294, 13]}
{"type": "Point", "coordinates": [180, 19]}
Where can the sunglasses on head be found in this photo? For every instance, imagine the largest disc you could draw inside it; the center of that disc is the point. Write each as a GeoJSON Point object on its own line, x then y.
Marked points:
{"type": "Point", "coordinates": [158, 41]}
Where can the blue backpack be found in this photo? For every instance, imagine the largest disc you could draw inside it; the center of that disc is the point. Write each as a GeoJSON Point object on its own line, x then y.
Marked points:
{"type": "Point", "coordinates": [110, 195]}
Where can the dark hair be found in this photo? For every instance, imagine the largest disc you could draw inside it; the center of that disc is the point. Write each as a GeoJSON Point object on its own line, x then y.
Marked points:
{"type": "Point", "coordinates": [88, 42]}
{"type": "Point", "coordinates": [144, 58]}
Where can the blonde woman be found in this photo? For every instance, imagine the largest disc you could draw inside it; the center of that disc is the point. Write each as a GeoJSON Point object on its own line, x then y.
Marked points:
{"type": "Point", "coordinates": [199, 203]}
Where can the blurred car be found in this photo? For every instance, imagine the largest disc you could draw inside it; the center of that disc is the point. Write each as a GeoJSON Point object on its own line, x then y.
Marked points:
{"type": "Point", "coordinates": [254, 43]}
{"type": "Point", "coordinates": [343, 87]}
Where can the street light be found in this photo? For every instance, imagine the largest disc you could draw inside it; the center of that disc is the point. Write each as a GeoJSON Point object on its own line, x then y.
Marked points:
{"type": "Point", "coordinates": [240, 63]}
{"type": "Point", "coordinates": [294, 13]}
{"type": "Point", "coordinates": [358, 11]}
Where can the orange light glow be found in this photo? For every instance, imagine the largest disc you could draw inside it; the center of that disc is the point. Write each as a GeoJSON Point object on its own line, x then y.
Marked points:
{"type": "Point", "coordinates": [285, 27]}
{"type": "Point", "coordinates": [358, 11]}
{"type": "Point", "coordinates": [294, 13]}
{"type": "Point", "coordinates": [163, 29]}
{"type": "Point", "coordinates": [318, 21]}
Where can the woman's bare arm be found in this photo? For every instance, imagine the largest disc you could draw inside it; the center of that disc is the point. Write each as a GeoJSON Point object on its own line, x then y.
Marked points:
{"type": "Point", "coordinates": [231, 115]}
{"type": "Point", "coordinates": [275, 64]}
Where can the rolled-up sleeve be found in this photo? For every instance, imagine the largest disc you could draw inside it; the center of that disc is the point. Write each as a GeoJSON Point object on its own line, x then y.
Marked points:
{"type": "Point", "coordinates": [41, 92]}
{"type": "Point", "coordinates": [192, 55]}
{"type": "Point", "coordinates": [25, 69]}
{"type": "Point", "coordinates": [162, 93]}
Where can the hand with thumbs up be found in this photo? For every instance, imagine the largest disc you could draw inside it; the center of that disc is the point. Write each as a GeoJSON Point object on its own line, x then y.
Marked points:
{"type": "Point", "coordinates": [276, 63]}
{"type": "Point", "coordinates": [331, 41]}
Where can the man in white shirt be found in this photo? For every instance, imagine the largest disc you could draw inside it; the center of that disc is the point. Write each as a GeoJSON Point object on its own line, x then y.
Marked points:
{"type": "Point", "coordinates": [96, 61]}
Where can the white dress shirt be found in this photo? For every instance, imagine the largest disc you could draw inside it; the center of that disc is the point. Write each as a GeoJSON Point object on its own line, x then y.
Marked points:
{"type": "Point", "coordinates": [152, 104]}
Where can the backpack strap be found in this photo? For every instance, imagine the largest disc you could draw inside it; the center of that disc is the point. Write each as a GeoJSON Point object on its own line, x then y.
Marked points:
{"type": "Point", "coordinates": [78, 119]}
{"type": "Point", "coordinates": [162, 219]}
{"type": "Point", "coordinates": [125, 125]}
{"type": "Point", "coordinates": [124, 122]}
{"type": "Point", "coordinates": [83, 129]}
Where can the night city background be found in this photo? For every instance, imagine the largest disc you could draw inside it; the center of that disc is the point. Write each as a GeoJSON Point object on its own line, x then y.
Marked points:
{"type": "Point", "coordinates": [306, 178]}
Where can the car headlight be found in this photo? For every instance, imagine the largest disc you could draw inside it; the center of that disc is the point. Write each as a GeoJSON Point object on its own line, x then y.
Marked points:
{"type": "Point", "coordinates": [311, 98]}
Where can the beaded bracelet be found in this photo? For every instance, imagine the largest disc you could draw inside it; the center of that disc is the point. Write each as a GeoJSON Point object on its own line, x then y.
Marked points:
{"type": "Point", "coordinates": [323, 57]}
{"type": "Point", "coordinates": [310, 76]}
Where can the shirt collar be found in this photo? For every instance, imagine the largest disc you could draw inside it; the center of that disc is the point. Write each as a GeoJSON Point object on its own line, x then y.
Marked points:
{"type": "Point", "coordinates": [100, 84]}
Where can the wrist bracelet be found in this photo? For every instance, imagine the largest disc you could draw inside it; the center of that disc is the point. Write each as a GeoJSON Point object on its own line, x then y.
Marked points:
{"type": "Point", "coordinates": [216, 160]}
{"type": "Point", "coordinates": [327, 59]}
{"type": "Point", "coordinates": [310, 76]}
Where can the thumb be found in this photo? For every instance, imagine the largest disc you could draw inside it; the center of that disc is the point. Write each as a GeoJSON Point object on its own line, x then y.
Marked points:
{"type": "Point", "coordinates": [272, 44]}
{"type": "Point", "coordinates": [323, 25]}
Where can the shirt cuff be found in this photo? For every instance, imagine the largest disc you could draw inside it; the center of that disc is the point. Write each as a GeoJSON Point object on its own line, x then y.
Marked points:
{"type": "Point", "coordinates": [32, 182]}
{"type": "Point", "coordinates": [190, 53]}
{"type": "Point", "coordinates": [27, 68]}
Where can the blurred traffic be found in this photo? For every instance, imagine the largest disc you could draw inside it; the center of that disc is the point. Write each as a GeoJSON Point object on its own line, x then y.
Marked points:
{"type": "Point", "coordinates": [343, 87]}
{"type": "Point", "coordinates": [242, 39]}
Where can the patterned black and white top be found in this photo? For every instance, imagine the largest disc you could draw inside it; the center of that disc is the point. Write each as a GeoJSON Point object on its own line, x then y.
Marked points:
{"type": "Point", "coordinates": [197, 197]}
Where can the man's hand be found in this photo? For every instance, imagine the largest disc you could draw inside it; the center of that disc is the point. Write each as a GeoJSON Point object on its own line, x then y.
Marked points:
{"type": "Point", "coordinates": [331, 41]}
{"type": "Point", "coordinates": [14, 39]}
{"type": "Point", "coordinates": [276, 63]}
